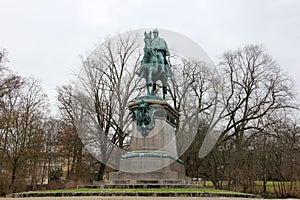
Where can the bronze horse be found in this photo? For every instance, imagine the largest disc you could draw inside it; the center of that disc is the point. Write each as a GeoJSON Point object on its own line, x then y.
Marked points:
{"type": "Point", "coordinates": [153, 67]}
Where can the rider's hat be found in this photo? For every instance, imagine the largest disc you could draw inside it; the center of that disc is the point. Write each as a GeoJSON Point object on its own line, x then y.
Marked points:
{"type": "Point", "coordinates": [155, 31]}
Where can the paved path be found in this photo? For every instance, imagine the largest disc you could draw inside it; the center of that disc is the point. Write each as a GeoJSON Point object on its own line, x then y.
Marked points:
{"type": "Point", "coordinates": [129, 198]}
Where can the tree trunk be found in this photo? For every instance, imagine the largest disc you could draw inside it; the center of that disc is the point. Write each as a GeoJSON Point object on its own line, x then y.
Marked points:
{"type": "Point", "coordinates": [13, 180]}
{"type": "Point", "coordinates": [264, 186]}
{"type": "Point", "coordinates": [101, 172]}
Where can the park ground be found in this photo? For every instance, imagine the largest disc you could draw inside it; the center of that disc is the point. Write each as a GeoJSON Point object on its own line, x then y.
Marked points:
{"type": "Point", "coordinates": [129, 198]}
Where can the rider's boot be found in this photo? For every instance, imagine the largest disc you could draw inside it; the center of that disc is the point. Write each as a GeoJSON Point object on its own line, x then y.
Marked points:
{"type": "Point", "coordinates": [162, 68]}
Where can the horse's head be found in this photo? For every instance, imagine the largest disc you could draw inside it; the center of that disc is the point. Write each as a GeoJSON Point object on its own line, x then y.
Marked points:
{"type": "Point", "coordinates": [148, 39]}
{"type": "Point", "coordinates": [148, 35]}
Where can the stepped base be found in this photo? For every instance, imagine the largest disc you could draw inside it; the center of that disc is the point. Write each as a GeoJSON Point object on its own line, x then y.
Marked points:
{"type": "Point", "coordinates": [157, 176]}
{"type": "Point", "coordinates": [136, 186]}
{"type": "Point", "coordinates": [152, 160]}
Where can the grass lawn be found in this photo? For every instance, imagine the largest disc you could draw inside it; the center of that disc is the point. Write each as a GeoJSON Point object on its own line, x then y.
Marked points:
{"type": "Point", "coordinates": [259, 185]}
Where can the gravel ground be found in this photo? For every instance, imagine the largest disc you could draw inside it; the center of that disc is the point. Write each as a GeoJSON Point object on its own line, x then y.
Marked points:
{"type": "Point", "coordinates": [129, 198]}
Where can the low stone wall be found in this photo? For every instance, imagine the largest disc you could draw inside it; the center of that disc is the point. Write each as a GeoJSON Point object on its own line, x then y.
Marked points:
{"type": "Point", "coordinates": [138, 186]}
{"type": "Point", "coordinates": [142, 194]}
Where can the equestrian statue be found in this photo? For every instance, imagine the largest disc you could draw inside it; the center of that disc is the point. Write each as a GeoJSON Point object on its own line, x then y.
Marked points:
{"type": "Point", "coordinates": [154, 65]}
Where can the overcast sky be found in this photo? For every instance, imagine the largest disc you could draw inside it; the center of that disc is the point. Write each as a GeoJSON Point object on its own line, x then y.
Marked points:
{"type": "Point", "coordinates": [45, 38]}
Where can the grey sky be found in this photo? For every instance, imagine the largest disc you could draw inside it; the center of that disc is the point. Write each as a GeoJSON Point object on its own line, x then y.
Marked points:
{"type": "Point", "coordinates": [45, 38]}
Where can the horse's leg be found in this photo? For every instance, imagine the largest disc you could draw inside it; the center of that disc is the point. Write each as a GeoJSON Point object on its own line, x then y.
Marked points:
{"type": "Point", "coordinates": [153, 88]}
{"type": "Point", "coordinates": [150, 82]}
{"type": "Point", "coordinates": [148, 88]}
{"type": "Point", "coordinates": [154, 79]}
{"type": "Point", "coordinates": [164, 83]}
{"type": "Point", "coordinates": [164, 91]}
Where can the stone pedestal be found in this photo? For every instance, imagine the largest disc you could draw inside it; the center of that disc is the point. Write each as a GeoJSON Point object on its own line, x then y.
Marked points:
{"type": "Point", "coordinates": [152, 159]}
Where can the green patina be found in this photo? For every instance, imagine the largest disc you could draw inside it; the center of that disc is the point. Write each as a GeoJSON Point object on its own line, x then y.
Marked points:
{"type": "Point", "coordinates": [150, 97]}
{"type": "Point", "coordinates": [155, 65]}
{"type": "Point", "coordinates": [144, 116]}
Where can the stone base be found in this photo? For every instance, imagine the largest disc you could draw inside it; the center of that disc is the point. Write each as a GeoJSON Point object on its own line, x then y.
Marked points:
{"type": "Point", "coordinates": [146, 164]}
{"type": "Point", "coordinates": [152, 160]}
{"type": "Point", "coordinates": [135, 186]}
{"type": "Point", "coordinates": [158, 177]}
{"type": "Point", "coordinates": [173, 174]}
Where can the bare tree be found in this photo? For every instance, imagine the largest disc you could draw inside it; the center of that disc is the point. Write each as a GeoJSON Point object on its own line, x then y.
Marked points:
{"type": "Point", "coordinates": [254, 89]}
{"type": "Point", "coordinates": [72, 149]}
{"type": "Point", "coordinates": [24, 108]}
{"type": "Point", "coordinates": [228, 109]}
{"type": "Point", "coordinates": [3, 58]}
{"type": "Point", "coordinates": [106, 83]}
{"type": "Point", "coordinates": [281, 152]}
{"type": "Point", "coordinates": [8, 80]}
{"type": "Point", "coordinates": [195, 91]}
